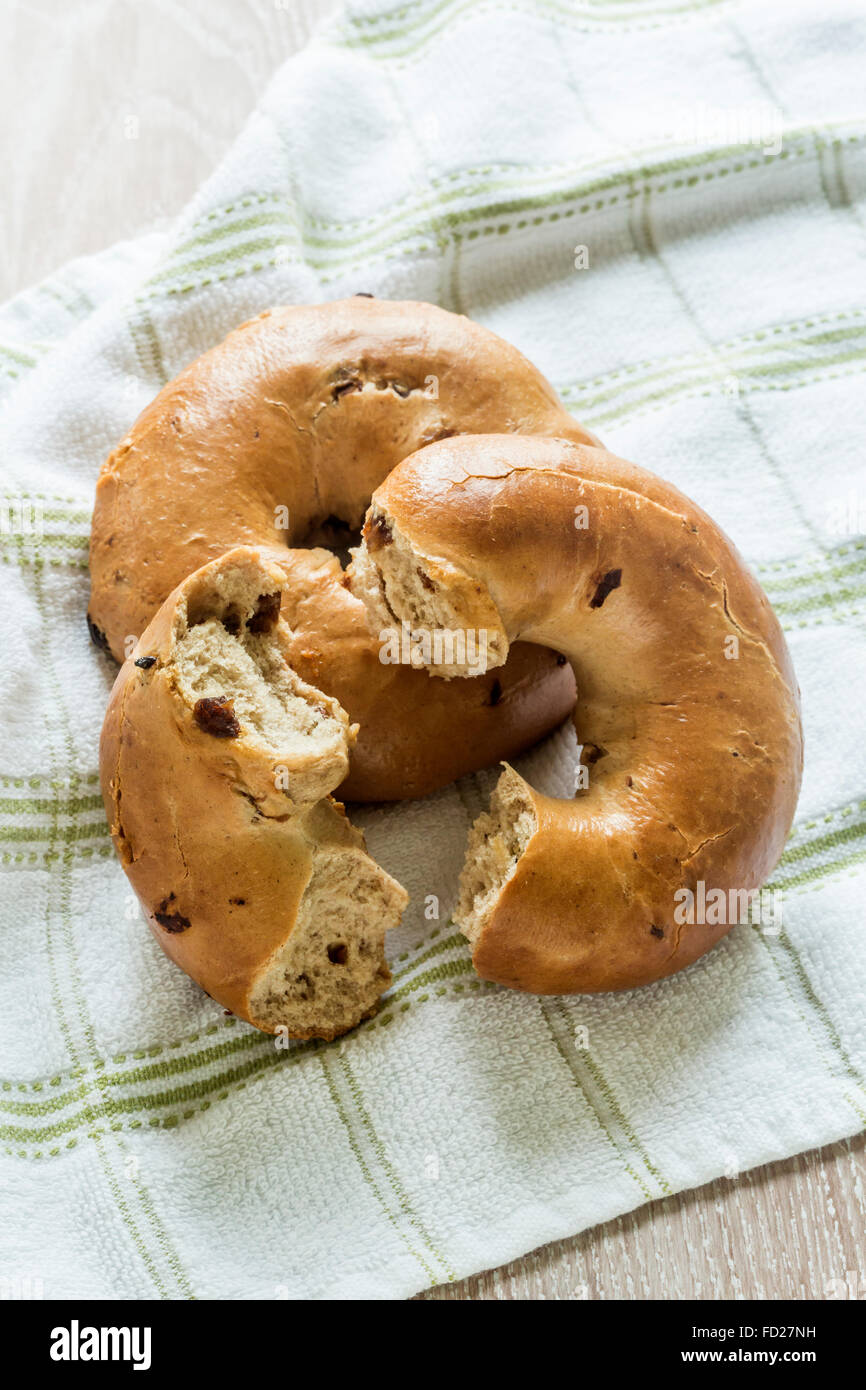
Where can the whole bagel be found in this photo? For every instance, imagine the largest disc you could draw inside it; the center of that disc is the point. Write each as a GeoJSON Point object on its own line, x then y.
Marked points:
{"type": "Point", "coordinates": [688, 709]}
{"type": "Point", "coordinates": [277, 437]}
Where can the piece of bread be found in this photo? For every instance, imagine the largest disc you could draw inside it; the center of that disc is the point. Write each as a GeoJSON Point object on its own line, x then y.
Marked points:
{"type": "Point", "coordinates": [416, 731]}
{"type": "Point", "coordinates": [276, 438]}
{"type": "Point", "coordinates": [217, 762]}
{"type": "Point", "coordinates": [688, 709]}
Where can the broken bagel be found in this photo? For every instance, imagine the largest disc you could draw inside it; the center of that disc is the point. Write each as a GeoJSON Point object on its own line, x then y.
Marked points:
{"type": "Point", "coordinates": [217, 763]}
{"type": "Point", "coordinates": [688, 707]}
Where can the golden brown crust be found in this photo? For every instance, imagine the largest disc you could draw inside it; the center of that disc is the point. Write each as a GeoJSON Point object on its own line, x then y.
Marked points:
{"type": "Point", "coordinates": [687, 697]}
{"type": "Point", "coordinates": [218, 849]}
{"type": "Point", "coordinates": [286, 428]}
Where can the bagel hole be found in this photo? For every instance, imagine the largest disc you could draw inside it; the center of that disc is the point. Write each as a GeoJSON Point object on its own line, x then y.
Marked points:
{"type": "Point", "coordinates": [336, 534]}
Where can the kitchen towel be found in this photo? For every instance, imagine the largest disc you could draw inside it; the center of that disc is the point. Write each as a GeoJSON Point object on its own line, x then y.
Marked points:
{"type": "Point", "coordinates": [663, 204]}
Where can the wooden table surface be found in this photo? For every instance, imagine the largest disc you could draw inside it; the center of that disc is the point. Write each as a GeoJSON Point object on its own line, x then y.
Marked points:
{"type": "Point", "coordinates": [72, 73]}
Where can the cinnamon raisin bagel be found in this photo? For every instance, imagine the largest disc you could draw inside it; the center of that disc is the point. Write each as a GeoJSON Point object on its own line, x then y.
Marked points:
{"type": "Point", "coordinates": [688, 709]}
{"type": "Point", "coordinates": [277, 437]}
{"type": "Point", "coordinates": [217, 762]}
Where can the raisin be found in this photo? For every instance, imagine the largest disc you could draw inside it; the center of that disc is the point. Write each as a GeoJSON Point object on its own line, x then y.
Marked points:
{"type": "Point", "coordinates": [248, 796]}
{"type": "Point", "coordinates": [433, 436]}
{"type": "Point", "coordinates": [97, 636]}
{"type": "Point", "coordinates": [145, 662]}
{"type": "Point", "coordinates": [606, 585]}
{"type": "Point", "coordinates": [377, 533]}
{"type": "Point", "coordinates": [267, 611]}
{"type": "Point", "coordinates": [591, 752]}
{"type": "Point", "coordinates": [217, 717]}
{"type": "Point", "coordinates": [346, 382]}
{"type": "Point", "coordinates": [173, 922]}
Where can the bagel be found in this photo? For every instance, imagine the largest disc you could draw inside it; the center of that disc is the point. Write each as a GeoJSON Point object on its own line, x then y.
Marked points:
{"type": "Point", "coordinates": [276, 438]}
{"type": "Point", "coordinates": [216, 763]}
{"type": "Point", "coordinates": [688, 709]}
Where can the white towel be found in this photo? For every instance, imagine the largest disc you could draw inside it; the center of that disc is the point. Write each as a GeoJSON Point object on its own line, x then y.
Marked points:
{"type": "Point", "coordinates": [711, 159]}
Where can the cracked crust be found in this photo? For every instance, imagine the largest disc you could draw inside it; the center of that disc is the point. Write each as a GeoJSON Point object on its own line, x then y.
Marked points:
{"type": "Point", "coordinates": [277, 438]}
{"type": "Point", "coordinates": [252, 878]}
{"type": "Point", "coordinates": [687, 701]}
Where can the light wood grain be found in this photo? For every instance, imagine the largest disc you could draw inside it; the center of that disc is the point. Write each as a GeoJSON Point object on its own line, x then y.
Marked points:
{"type": "Point", "coordinates": [788, 1230]}
{"type": "Point", "coordinates": [111, 114]}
